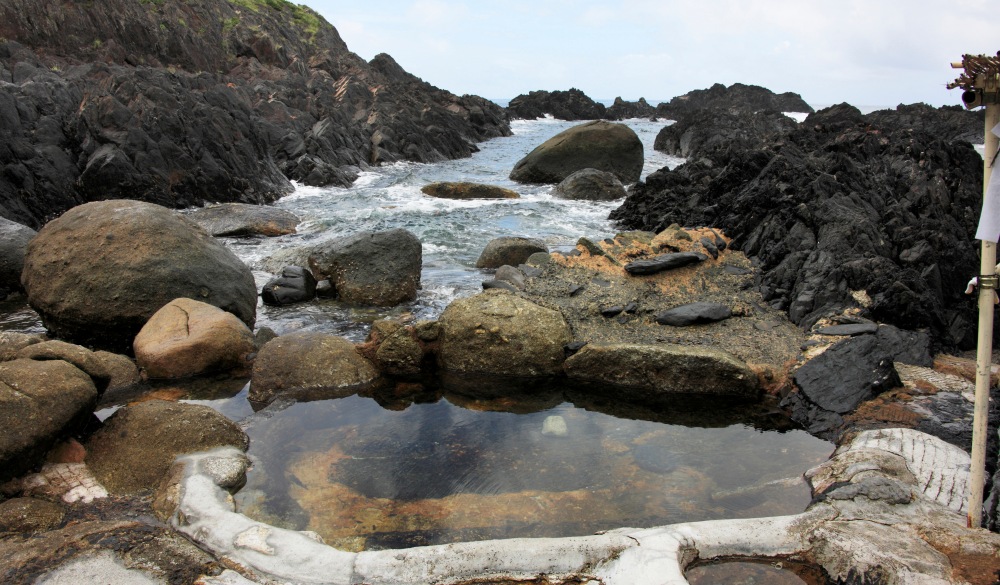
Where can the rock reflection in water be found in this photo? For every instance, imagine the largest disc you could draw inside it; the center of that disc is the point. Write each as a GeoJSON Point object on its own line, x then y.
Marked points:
{"type": "Point", "coordinates": [367, 478]}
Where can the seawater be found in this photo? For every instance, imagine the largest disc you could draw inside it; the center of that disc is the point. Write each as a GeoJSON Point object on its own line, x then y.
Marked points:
{"type": "Point", "coordinates": [453, 233]}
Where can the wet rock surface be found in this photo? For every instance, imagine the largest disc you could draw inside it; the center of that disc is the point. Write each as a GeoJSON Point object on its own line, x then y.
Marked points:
{"type": "Point", "coordinates": [14, 239]}
{"type": "Point", "coordinates": [600, 145]}
{"type": "Point", "coordinates": [308, 362]}
{"type": "Point", "coordinates": [241, 219]}
{"type": "Point", "coordinates": [181, 104]}
{"type": "Point", "coordinates": [371, 268]}
{"type": "Point", "coordinates": [97, 274]}
{"type": "Point", "coordinates": [829, 212]}
{"type": "Point", "coordinates": [465, 190]}
{"type": "Point", "coordinates": [295, 285]}
{"type": "Point", "coordinates": [137, 444]}
{"type": "Point", "coordinates": [590, 185]}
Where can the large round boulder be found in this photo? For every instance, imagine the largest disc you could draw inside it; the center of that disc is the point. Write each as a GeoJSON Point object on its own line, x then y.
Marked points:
{"type": "Point", "coordinates": [187, 338]}
{"type": "Point", "coordinates": [139, 442]}
{"type": "Point", "coordinates": [40, 402]}
{"type": "Point", "coordinates": [309, 362]}
{"type": "Point", "coordinates": [14, 239]}
{"type": "Point", "coordinates": [243, 219]}
{"type": "Point", "coordinates": [497, 333]}
{"type": "Point", "coordinates": [509, 251]}
{"type": "Point", "coordinates": [371, 268]}
{"type": "Point", "coordinates": [600, 145]}
{"type": "Point", "coordinates": [659, 373]}
{"type": "Point", "coordinates": [590, 185]}
{"type": "Point", "coordinates": [99, 272]}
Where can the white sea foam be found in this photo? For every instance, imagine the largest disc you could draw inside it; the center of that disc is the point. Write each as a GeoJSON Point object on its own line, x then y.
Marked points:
{"type": "Point", "coordinates": [797, 116]}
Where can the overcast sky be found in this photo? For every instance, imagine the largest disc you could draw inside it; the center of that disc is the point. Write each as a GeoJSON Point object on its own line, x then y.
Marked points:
{"type": "Point", "coordinates": [864, 52]}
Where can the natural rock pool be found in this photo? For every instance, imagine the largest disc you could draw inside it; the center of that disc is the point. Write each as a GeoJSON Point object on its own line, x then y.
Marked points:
{"type": "Point", "coordinates": [366, 478]}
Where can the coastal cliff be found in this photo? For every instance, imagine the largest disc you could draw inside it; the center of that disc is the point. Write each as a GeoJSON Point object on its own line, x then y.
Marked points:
{"type": "Point", "coordinates": [183, 103]}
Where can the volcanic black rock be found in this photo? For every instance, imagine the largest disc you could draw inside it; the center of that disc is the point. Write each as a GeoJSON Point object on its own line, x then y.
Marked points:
{"type": "Point", "coordinates": [694, 314]}
{"type": "Point", "coordinates": [837, 208]}
{"type": "Point", "coordinates": [738, 96]}
{"type": "Point", "coordinates": [565, 105]}
{"type": "Point", "coordinates": [664, 262]}
{"type": "Point", "coordinates": [295, 285]}
{"type": "Point", "coordinates": [183, 103]}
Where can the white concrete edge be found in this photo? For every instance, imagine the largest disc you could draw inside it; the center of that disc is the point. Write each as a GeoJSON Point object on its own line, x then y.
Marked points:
{"type": "Point", "coordinates": [627, 556]}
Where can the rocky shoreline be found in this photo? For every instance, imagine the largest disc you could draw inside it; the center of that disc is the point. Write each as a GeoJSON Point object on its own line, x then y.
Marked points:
{"type": "Point", "coordinates": [803, 271]}
{"type": "Point", "coordinates": [183, 104]}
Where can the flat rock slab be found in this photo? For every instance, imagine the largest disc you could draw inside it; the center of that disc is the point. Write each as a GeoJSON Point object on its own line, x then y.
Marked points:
{"type": "Point", "coordinates": [694, 314]}
{"type": "Point", "coordinates": [654, 373]}
{"type": "Point", "coordinates": [847, 374]}
{"type": "Point", "coordinates": [664, 262]}
{"type": "Point", "coordinates": [243, 219]}
{"type": "Point", "coordinates": [849, 329]}
{"type": "Point", "coordinates": [466, 190]}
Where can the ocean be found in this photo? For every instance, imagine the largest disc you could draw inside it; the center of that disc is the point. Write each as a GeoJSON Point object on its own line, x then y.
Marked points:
{"type": "Point", "coordinates": [453, 233]}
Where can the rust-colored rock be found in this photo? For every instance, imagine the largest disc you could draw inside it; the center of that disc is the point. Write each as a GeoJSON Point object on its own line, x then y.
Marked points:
{"type": "Point", "coordinates": [188, 338]}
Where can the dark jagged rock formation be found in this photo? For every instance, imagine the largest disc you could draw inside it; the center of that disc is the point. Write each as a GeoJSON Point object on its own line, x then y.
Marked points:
{"type": "Point", "coordinates": [566, 105]}
{"type": "Point", "coordinates": [837, 208]}
{"type": "Point", "coordinates": [623, 110]}
{"type": "Point", "coordinates": [709, 128]}
{"type": "Point", "coordinates": [575, 105]}
{"type": "Point", "coordinates": [946, 122]}
{"type": "Point", "coordinates": [735, 97]}
{"type": "Point", "coordinates": [180, 103]}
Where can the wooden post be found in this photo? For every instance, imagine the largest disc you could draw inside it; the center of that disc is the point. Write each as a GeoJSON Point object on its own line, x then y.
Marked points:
{"type": "Point", "coordinates": [984, 352]}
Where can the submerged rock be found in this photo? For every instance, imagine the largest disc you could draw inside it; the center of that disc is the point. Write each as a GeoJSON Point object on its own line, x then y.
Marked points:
{"type": "Point", "coordinates": [604, 146]}
{"type": "Point", "coordinates": [661, 373]}
{"type": "Point", "coordinates": [465, 190]}
{"type": "Point", "coordinates": [97, 274]}
{"type": "Point", "coordinates": [241, 219]}
{"type": "Point", "coordinates": [308, 361]}
{"type": "Point", "coordinates": [496, 333]}
{"type": "Point", "coordinates": [371, 268]}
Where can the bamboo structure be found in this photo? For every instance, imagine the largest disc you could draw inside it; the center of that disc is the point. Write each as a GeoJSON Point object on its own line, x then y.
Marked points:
{"type": "Point", "coordinates": [980, 81]}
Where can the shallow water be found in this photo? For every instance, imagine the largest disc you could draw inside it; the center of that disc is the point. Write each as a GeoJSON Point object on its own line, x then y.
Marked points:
{"type": "Point", "coordinates": [364, 477]}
